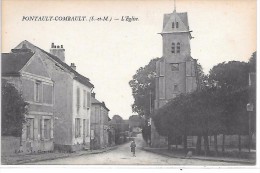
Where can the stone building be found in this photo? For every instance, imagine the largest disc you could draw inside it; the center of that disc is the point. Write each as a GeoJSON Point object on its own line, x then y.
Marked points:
{"type": "Point", "coordinates": [176, 70]}
{"type": "Point", "coordinates": [72, 104]}
{"type": "Point", "coordinates": [25, 69]}
{"type": "Point", "coordinates": [99, 123]}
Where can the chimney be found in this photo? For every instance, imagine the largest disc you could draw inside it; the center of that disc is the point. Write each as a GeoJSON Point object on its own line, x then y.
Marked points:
{"type": "Point", "coordinates": [73, 66]}
{"type": "Point", "coordinates": [58, 51]}
{"type": "Point", "coordinates": [93, 95]}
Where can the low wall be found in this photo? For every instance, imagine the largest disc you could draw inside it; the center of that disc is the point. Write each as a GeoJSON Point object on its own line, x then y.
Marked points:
{"type": "Point", "coordinates": [230, 141]}
{"type": "Point", "coordinates": [9, 145]}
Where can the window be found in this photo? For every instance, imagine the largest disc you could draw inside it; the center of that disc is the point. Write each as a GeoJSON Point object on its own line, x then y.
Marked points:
{"type": "Point", "coordinates": [47, 128]}
{"type": "Point", "coordinates": [100, 116]}
{"type": "Point", "coordinates": [175, 67]}
{"type": "Point", "coordinates": [87, 127]}
{"type": "Point", "coordinates": [172, 24]}
{"type": "Point", "coordinates": [77, 127]}
{"type": "Point", "coordinates": [37, 91]}
{"type": "Point", "coordinates": [88, 99]}
{"type": "Point", "coordinates": [173, 47]}
{"type": "Point", "coordinates": [29, 128]}
{"type": "Point", "coordinates": [178, 47]}
{"type": "Point", "coordinates": [84, 129]}
{"type": "Point", "coordinates": [78, 99]}
{"type": "Point", "coordinates": [175, 88]}
{"type": "Point", "coordinates": [84, 99]}
{"type": "Point", "coordinates": [177, 25]}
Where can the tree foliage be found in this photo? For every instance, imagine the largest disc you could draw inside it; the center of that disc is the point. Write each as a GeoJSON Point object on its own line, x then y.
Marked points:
{"type": "Point", "coordinates": [191, 114]}
{"type": "Point", "coordinates": [230, 76]}
{"type": "Point", "coordinates": [13, 110]}
{"type": "Point", "coordinates": [143, 87]}
{"type": "Point", "coordinates": [120, 127]}
{"type": "Point", "coordinates": [217, 107]}
{"type": "Point", "coordinates": [146, 132]}
{"type": "Point", "coordinates": [252, 63]}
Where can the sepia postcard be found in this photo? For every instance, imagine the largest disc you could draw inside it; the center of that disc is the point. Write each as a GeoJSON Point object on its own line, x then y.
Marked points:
{"type": "Point", "coordinates": [129, 83]}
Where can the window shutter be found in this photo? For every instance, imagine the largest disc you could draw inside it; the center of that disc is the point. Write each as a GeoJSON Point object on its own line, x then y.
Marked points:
{"type": "Point", "coordinates": [87, 126]}
{"type": "Point", "coordinates": [39, 128]}
{"type": "Point", "coordinates": [78, 99]}
{"type": "Point", "coordinates": [80, 127]}
{"type": "Point", "coordinates": [51, 133]}
{"type": "Point", "coordinates": [88, 99]}
{"type": "Point", "coordinates": [84, 99]}
{"type": "Point", "coordinates": [76, 127]}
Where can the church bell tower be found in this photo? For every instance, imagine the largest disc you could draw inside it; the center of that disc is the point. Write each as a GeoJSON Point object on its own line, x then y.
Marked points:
{"type": "Point", "coordinates": [176, 70]}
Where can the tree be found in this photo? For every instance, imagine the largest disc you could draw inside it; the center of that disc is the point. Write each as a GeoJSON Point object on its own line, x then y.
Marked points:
{"type": "Point", "coordinates": [217, 107]}
{"type": "Point", "coordinates": [14, 109]}
{"type": "Point", "coordinates": [252, 89]}
{"type": "Point", "coordinates": [196, 114]}
{"type": "Point", "coordinates": [143, 88]}
{"type": "Point", "coordinates": [146, 132]}
{"type": "Point", "coordinates": [117, 123]}
{"type": "Point", "coordinates": [135, 121]}
{"type": "Point", "coordinates": [252, 63]}
{"type": "Point", "coordinates": [229, 76]}
{"type": "Point", "coordinates": [232, 79]}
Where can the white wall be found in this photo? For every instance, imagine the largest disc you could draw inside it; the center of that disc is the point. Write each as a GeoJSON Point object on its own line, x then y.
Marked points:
{"type": "Point", "coordinates": [83, 113]}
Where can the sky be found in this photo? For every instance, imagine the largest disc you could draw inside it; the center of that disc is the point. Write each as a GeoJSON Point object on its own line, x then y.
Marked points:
{"type": "Point", "coordinates": [109, 53]}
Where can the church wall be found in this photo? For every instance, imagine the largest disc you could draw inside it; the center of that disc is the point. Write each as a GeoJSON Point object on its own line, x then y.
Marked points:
{"type": "Point", "coordinates": [183, 39]}
{"type": "Point", "coordinates": [176, 73]}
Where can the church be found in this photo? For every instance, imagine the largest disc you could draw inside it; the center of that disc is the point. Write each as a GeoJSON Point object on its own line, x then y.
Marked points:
{"type": "Point", "coordinates": [176, 71]}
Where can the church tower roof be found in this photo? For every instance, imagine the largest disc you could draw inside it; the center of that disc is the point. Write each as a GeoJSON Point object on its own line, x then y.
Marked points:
{"type": "Point", "coordinates": [175, 22]}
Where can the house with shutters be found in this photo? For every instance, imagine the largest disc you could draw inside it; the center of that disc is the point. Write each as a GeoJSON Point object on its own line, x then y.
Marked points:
{"type": "Point", "coordinates": [99, 124]}
{"type": "Point", "coordinates": [25, 69]}
{"type": "Point", "coordinates": [71, 98]}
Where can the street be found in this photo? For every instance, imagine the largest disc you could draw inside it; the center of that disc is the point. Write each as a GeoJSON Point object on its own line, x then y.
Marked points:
{"type": "Point", "coordinates": [123, 156]}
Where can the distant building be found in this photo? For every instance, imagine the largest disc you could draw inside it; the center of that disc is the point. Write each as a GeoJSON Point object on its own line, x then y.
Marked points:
{"type": "Point", "coordinates": [99, 123]}
{"type": "Point", "coordinates": [176, 70]}
{"type": "Point", "coordinates": [25, 69]}
{"type": "Point", "coordinates": [71, 95]}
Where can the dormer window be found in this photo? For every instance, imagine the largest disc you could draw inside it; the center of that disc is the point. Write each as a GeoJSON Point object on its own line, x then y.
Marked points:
{"type": "Point", "coordinates": [178, 47]}
{"type": "Point", "coordinates": [172, 24]}
{"type": "Point", "coordinates": [173, 47]}
{"type": "Point", "coordinates": [177, 24]}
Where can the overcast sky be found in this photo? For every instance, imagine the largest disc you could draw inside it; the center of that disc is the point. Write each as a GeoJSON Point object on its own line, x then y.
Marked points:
{"type": "Point", "coordinates": [109, 53]}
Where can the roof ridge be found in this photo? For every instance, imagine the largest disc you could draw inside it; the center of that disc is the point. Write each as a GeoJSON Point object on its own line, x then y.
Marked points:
{"type": "Point", "coordinates": [14, 62]}
{"type": "Point", "coordinates": [99, 103]}
{"type": "Point", "coordinates": [55, 58]}
{"type": "Point", "coordinates": [175, 15]}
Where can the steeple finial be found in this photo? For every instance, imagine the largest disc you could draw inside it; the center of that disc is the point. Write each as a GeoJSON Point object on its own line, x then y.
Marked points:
{"type": "Point", "coordinates": [174, 5]}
